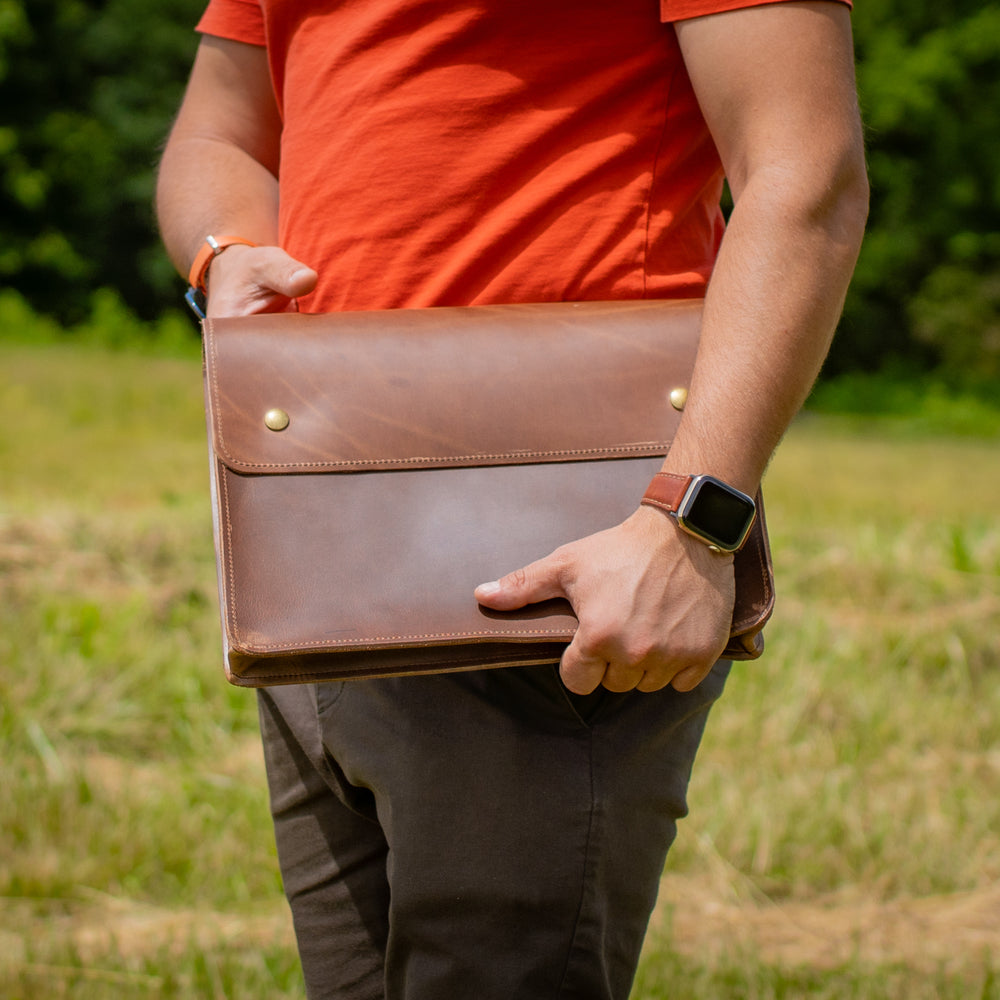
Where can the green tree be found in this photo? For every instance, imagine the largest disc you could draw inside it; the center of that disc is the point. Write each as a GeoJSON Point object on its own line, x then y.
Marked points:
{"type": "Point", "coordinates": [88, 90]}
{"type": "Point", "coordinates": [925, 292]}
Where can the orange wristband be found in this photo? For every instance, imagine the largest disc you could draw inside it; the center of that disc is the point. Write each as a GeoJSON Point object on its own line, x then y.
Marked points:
{"type": "Point", "coordinates": [212, 248]}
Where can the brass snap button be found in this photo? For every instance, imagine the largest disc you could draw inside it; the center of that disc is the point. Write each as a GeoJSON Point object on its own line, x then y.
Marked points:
{"type": "Point", "coordinates": [276, 420]}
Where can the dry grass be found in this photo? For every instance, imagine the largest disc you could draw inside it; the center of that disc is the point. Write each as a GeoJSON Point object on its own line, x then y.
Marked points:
{"type": "Point", "coordinates": [844, 839]}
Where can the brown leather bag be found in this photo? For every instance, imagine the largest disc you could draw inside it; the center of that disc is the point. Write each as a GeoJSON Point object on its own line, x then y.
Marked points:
{"type": "Point", "coordinates": [370, 469]}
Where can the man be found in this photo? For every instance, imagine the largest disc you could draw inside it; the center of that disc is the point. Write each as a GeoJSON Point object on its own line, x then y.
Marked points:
{"type": "Point", "coordinates": [501, 833]}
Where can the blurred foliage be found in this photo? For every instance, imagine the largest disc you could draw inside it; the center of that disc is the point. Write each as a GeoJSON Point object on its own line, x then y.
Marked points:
{"type": "Point", "coordinates": [108, 323]}
{"type": "Point", "coordinates": [89, 87]}
{"type": "Point", "coordinates": [927, 287]}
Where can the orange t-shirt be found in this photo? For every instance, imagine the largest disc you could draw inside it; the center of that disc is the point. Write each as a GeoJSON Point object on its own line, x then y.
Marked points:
{"type": "Point", "coordinates": [436, 153]}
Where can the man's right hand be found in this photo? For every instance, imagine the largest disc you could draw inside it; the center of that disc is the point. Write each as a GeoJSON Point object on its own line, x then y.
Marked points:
{"type": "Point", "coordinates": [244, 280]}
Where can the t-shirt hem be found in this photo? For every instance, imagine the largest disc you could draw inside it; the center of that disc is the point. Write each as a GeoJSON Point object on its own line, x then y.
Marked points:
{"type": "Point", "coordinates": [236, 20]}
{"type": "Point", "coordinates": [682, 10]}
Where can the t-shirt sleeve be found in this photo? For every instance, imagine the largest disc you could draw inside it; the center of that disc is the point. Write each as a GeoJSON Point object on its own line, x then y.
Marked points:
{"type": "Point", "coordinates": [680, 10]}
{"type": "Point", "coordinates": [238, 20]}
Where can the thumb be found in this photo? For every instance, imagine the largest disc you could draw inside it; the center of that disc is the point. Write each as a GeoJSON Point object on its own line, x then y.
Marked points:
{"type": "Point", "coordinates": [246, 280]}
{"type": "Point", "coordinates": [538, 581]}
{"type": "Point", "coordinates": [280, 272]}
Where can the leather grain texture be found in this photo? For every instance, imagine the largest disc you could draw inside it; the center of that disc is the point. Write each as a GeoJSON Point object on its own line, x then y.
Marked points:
{"type": "Point", "coordinates": [425, 452]}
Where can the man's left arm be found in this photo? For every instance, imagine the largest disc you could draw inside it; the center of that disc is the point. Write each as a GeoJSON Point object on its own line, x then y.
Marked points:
{"type": "Point", "coordinates": [776, 87]}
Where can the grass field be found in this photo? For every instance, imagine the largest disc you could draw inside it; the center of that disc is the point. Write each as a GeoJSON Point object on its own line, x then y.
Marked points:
{"type": "Point", "coordinates": [844, 840]}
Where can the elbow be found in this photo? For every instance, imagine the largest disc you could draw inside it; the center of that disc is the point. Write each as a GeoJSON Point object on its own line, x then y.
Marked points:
{"type": "Point", "coordinates": [833, 191]}
{"type": "Point", "coordinates": [820, 202]}
{"type": "Point", "coordinates": [819, 190]}
{"type": "Point", "coordinates": [843, 208]}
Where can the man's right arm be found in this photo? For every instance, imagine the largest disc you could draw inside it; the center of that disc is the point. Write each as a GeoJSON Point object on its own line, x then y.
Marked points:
{"type": "Point", "coordinates": [218, 176]}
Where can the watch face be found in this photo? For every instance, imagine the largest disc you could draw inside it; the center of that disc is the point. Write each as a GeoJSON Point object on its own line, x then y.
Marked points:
{"type": "Point", "coordinates": [718, 513]}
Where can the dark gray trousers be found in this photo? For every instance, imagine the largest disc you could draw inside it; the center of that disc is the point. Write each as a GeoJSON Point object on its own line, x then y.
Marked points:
{"type": "Point", "coordinates": [475, 836]}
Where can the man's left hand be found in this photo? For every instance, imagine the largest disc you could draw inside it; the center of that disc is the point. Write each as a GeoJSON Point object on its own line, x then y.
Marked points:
{"type": "Point", "coordinates": [655, 605]}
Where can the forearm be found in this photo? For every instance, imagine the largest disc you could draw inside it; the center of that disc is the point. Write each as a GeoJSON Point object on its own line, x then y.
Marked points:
{"type": "Point", "coordinates": [772, 306]}
{"type": "Point", "coordinates": [208, 185]}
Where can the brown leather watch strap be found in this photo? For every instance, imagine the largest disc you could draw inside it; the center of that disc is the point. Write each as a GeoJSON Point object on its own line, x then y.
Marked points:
{"type": "Point", "coordinates": [666, 491]}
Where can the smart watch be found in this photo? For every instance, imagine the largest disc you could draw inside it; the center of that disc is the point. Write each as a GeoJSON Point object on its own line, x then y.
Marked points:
{"type": "Point", "coordinates": [707, 508]}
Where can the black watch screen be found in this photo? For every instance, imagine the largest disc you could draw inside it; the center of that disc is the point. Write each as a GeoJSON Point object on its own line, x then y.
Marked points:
{"type": "Point", "coordinates": [718, 513]}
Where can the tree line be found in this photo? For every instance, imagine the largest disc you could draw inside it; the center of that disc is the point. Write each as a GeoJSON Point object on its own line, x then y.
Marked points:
{"type": "Point", "coordinates": [88, 89]}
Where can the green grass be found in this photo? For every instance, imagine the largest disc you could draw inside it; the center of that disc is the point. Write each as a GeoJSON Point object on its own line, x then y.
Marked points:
{"type": "Point", "coordinates": [744, 975]}
{"type": "Point", "coordinates": [844, 839]}
{"type": "Point", "coordinates": [232, 969]}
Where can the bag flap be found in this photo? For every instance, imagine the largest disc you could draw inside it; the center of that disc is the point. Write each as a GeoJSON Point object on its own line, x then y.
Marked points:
{"type": "Point", "coordinates": [448, 386]}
